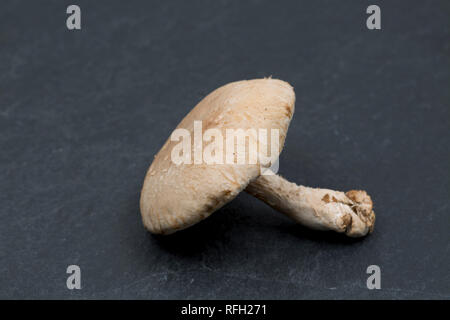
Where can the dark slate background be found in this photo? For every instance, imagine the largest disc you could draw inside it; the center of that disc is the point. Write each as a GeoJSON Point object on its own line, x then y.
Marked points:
{"type": "Point", "coordinates": [82, 114]}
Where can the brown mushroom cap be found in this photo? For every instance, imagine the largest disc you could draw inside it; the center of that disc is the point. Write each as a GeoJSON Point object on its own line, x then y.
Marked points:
{"type": "Point", "coordinates": [174, 196]}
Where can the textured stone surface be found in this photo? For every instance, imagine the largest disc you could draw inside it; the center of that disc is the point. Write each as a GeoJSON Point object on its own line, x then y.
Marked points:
{"type": "Point", "coordinates": [82, 114]}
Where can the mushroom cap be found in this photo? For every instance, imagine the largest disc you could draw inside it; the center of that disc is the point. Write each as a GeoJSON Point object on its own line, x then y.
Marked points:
{"type": "Point", "coordinates": [176, 196]}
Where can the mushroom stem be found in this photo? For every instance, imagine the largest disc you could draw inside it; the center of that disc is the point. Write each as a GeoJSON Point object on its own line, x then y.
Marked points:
{"type": "Point", "coordinates": [321, 209]}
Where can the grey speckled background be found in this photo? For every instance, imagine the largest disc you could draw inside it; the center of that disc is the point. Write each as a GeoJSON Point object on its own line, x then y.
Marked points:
{"type": "Point", "coordinates": [83, 113]}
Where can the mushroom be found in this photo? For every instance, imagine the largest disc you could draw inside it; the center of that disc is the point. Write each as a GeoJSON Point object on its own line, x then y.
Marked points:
{"type": "Point", "coordinates": [177, 195]}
